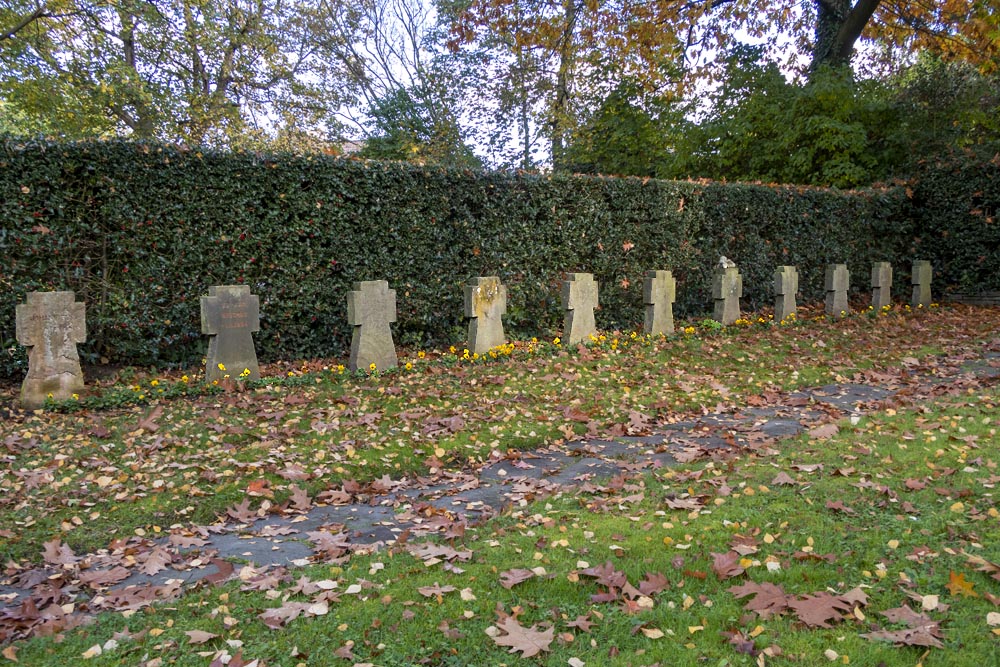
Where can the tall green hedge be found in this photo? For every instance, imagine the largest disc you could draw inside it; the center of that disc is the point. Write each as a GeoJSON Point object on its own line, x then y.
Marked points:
{"type": "Point", "coordinates": [140, 232]}
{"type": "Point", "coordinates": [957, 201]}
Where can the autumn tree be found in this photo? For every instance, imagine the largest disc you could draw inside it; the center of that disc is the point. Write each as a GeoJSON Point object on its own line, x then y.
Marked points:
{"type": "Point", "coordinates": [213, 71]}
{"type": "Point", "coordinates": [406, 90]}
{"type": "Point", "coordinates": [560, 59]}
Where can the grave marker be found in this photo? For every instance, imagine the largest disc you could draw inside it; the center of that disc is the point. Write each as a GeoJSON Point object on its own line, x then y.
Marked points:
{"type": "Point", "coordinates": [485, 304]}
{"type": "Point", "coordinates": [727, 288]}
{"type": "Point", "coordinates": [838, 281]}
{"type": "Point", "coordinates": [371, 308]}
{"type": "Point", "coordinates": [579, 298]}
{"type": "Point", "coordinates": [881, 285]}
{"type": "Point", "coordinates": [921, 280]}
{"type": "Point", "coordinates": [51, 324]}
{"type": "Point", "coordinates": [786, 286]}
{"type": "Point", "coordinates": [230, 315]}
{"type": "Point", "coordinates": [659, 291]}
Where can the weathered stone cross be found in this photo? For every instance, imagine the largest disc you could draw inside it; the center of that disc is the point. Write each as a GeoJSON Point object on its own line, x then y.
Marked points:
{"type": "Point", "coordinates": [51, 324]}
{"type": "Point", "coordinates": [786, 285]}
{"type": "Point", "coordinates": [579, 298]}
{"type": "Point", "coordinates": [659, 291]}
{"type": "Point", "coordinates": [727, 288]}
{"type": "Point", "coordinates": [371, 308]}
{"type": "Point", "coordinates": [838, 281]}
{"type": "Point", "coordinates": [881, 285]}
{"type": "Point", "coordinates": [230, 314]}
{"type": "Point", "coordinates": [485, 304]}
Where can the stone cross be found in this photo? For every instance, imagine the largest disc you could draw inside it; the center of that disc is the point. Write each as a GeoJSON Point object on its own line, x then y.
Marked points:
{"type": "Point", "coordinates": [485, 304]}
{"type": "Point", "coordinates": [786, 285]}
{"type": "Point", "coordinates": [881, 285]}
{"type": "Point", "coordinates": [838, 281]}
{"type": "Point", "coordinates": [371, 308]}
{"type": "Point", "coordinates": [230, 315]}
{"type": "Point", "coordinates": [659, 291]}
{"type": "Point", "coordinates": [579, 298]}
{"type": "Point", "coordinates": [51, 324]}
{"type": "Point", "coordinates": [727, 288]}
{"type": "Point", "coordinates": [921, 280]}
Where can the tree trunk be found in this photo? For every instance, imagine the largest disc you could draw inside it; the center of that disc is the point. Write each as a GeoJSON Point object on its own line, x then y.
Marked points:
{"type": "Point", "coordinates": [560, 110]}
{"type": "Point", "coordinates": [838, 28]}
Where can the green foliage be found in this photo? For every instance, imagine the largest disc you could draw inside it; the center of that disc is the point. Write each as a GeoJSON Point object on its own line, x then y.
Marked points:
{"type": "Point", "coordinates": [763, 128]}
{"type": "Point", "coordinates": [626, 136]}
{"type": "Point", "coordinates": [408, 125]}
{"type": "Point", "coordinates": [958, 198]}
{"type": "Point", "coordinates": [140, 232]}
{"type": "Point", "coordinates": [944, 105]}
{"type": "Point", "coordinates": [835, 129]}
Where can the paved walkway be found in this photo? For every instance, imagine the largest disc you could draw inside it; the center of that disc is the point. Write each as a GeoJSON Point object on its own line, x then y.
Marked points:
{"type": "Point", "coordinates": [400, 511]}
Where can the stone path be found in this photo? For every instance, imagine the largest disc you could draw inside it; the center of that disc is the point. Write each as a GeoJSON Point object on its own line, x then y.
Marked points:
{"type": "Point", "coordinates": [412, 510]}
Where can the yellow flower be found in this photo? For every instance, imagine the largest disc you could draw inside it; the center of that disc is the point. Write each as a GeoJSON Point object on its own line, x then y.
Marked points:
{"type": "Point", "coordinates": [475, 355]}
{"type": "Point", "coordinates": [409, 366]}
{"type": "Point", "coordinates": [291, 373]}
{"type": "Point", "coordinates": [421, 354]}
{"type": "Point", "coordinates": [154, 383]}
{"type": "Point", "coordinates": [340, 368]}
{"type": "Point", "coordinates": [76, 397]}
{"type": "Point", "coordinates": [371, 367]}
{"type": "Point", "coordinates": [246, 372]}
{"type": "Point", "coordinates": [452, 349]}
{"type": "Point", "coordinates": [556, 341]}
{"type": "Point", "coordinates": [185, 379]}
{"type": "Point", "coordinates": [222, 366]}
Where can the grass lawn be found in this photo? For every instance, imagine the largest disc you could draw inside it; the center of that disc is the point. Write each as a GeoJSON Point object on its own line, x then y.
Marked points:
{"type": "Point", "coordinates": [846, 524]}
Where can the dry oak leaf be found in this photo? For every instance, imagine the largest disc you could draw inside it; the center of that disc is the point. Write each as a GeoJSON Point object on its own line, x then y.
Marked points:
{"type": "Point", "coordinates": [529, 641]}
{"type": "Point", "coordinates": [957, 585]}
{"type": "Point", "coordinates": [727, 565]}
{"type": "Point", "coordinates": [818, 610]}
{"type": "Point", "coordinates": [983, 565]}
{"type": "Point", "coordinates": [242, 512]}
{"type": "Point", "coordinates": [581, 623]}
{"type": "Point", "coordinates": [435, 590]}
{"type": "Point", "coordinates": [654, 583]}
{"type": "Point", "coordinates": [199, 636]}
{"type": "Point", "coordinates": [769, 599]}
{"type": "Point", "coordinates": [606, 575]}
{"type": "Point", "coordinates": [101, 578]}
{"type": "Point", "coordinates": [156, 560]}
{"type": "Point", "coordinates": [824, 431]}
{"type": "Point", "coordinates": [922, 631]}
{"type": "Point", "coordinates": [783, 479]}
{"type": "Point", "coordinates": [838, 506]}
{"type": "Point", "coordinates": [55, 552]}
{"type": "Point", "coordinates": [512, 578]}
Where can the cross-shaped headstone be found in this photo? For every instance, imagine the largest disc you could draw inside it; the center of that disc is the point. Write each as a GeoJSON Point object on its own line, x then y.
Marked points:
{"type": "Point", "coordinates": [659, 291]}
{"type": "Point", "coordinates": [579, 298]}
{"type": "Point", "coordinates": [881, 285]}
{"type": "Point", "coordinates": [485, 304]}
{"type": "Point", "coordinates": [727, 288]}
{"type": "Point", "coordinates": [371, 308]}
{"type": "Point", "coordinates": [921, 280]}
{"type": "Point", "coordinates": [230, 315]}
{"type": "Point", "coordinates": [786, 285]}
{"type": "Point", "coordinates": [838, 281]}
{"type": "Point", "coordinates": [51, 324]}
